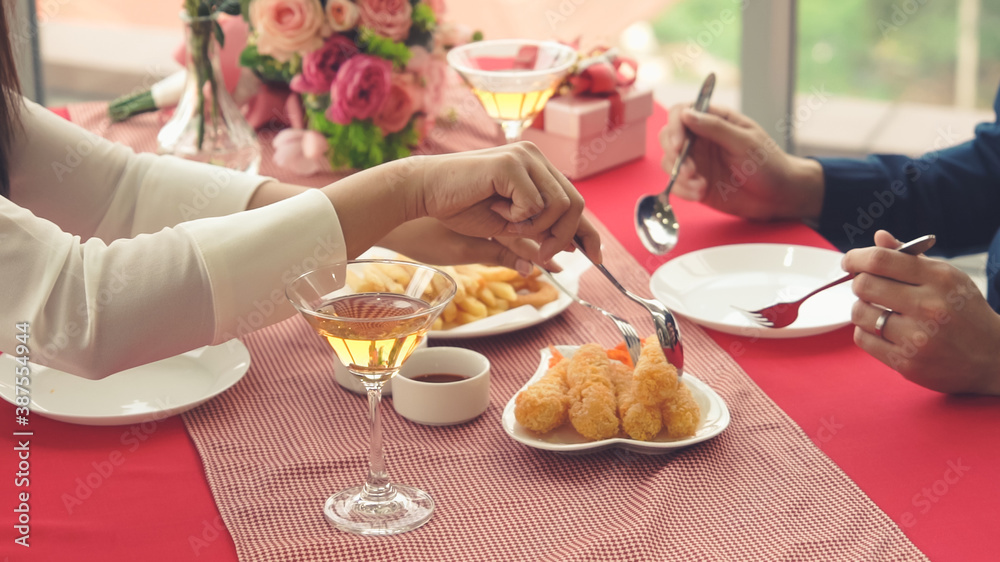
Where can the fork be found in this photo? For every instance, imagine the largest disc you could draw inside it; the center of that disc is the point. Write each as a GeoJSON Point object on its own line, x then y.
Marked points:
{"type": "Point", "coordinates": [782, 314]}
{"type": "Point", "coordinates": [667, 330]}
{"type": "Point", "coordinates": [632, 341]}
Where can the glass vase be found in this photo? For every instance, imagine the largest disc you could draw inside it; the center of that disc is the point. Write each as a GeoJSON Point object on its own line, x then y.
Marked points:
{"type": "Point", "coordinates": [207, 125]}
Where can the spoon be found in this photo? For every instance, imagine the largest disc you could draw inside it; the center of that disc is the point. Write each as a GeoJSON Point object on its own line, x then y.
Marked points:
{"type": "Point", "coordinates": [655, 221]}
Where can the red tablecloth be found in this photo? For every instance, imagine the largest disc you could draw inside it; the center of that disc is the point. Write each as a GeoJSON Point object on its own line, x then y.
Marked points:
{"type": "Point", "coordinates": [929, 461]}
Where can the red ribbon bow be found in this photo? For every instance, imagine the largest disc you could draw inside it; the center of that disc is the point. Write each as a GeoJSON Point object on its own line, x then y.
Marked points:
{"type": "Point", "coordinates": [602, 72]}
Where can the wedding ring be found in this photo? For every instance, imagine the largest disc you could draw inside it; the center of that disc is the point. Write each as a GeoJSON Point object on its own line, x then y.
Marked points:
{"type": "Point", "coordinates": [880, 323]}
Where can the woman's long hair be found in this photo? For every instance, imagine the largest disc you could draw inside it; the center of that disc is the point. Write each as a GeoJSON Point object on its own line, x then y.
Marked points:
{"type": "Point", "coordinates": [10, 100]}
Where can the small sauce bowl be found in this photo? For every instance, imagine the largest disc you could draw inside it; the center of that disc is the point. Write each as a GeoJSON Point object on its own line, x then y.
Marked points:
{"type": "Point", "coordinates": [442, 403]}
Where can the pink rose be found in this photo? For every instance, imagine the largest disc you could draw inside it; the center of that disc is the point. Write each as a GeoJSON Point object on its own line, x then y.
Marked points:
{"type": "Point", "coordinates": [391, 18]}
{"type": "Point", "coordinates": [359, 89]}
{"type": "Point", "coordinates": [320, 67]}
{"type": "Point", "coordinates": [432, 70]}
{"type": "Point", "coordinates": [301, 151]}
{"type": "Point", "coordinates": [400, 104]}
{"type": "Point", "coordinates": [341, 15]}
{"type": "Point", "coordinates": [284, 27]}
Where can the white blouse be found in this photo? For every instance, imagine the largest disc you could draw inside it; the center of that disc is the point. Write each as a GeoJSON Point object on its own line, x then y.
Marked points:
{"type": "Point", "coordinates": [117, 259]}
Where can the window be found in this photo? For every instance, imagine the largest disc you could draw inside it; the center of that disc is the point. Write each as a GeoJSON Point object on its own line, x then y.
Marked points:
{"type": "Point", "coordinates": [906, 76]}
{"type": "Point", "coordinates": [100, 49]}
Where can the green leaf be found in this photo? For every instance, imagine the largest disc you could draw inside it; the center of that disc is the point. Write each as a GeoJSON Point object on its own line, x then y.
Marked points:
{"type": "Point", "coordinates": [383, 47]}
{"type": "Point", "coordinates": [360, 144]}
{"type": "Point", "coordinates": [219, 35]}
{"type": "Point", "coordinates": [423, 17]}
{"type": "Point", "coordinates": [231, 7]}
{"type": "Point", "coordinates": [245, 9]}
{"type": "Point", "coordinates": [267, 68]}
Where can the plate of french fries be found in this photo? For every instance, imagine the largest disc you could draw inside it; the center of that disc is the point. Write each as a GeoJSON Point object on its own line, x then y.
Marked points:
{"type": "Point", "coordinates": [494, 300]}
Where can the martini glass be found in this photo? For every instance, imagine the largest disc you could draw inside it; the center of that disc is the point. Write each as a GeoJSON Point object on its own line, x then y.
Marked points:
{"type": "Point", "coordinates": [374, 313]}
{"type": "Point", "coordinates": [513, 78]}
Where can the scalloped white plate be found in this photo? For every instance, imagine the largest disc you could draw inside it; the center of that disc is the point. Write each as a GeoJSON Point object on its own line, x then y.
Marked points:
{"type": "Point", "coordinates": [148, 392]}
{"type": "Point", "coordinates": [565, 439]}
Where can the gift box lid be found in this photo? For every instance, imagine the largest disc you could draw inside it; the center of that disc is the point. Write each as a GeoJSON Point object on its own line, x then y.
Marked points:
{"type": "Point", "coordinates": [582, 116]}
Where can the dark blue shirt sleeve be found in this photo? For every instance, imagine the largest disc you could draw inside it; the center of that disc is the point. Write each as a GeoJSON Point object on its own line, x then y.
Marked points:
{"type": "Point", "coordinates": [953, 193]}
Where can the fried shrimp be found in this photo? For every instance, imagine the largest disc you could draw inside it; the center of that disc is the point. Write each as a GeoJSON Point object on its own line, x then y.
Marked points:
{"type": "Point", "coordinates": [654, 378]}
{"type": "Point", "coordinates": [681, 414]}
{"type": "Point", "coordinates": [544, 405]}
{"type": "Point", "coordinates": [593, 408]}
{"type": "Point", "coordinates": [638, 420]}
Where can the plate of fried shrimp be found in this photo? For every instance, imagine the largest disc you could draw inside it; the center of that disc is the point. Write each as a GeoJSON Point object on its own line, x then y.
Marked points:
{"type": "Point", "coordinates": [584, 399]}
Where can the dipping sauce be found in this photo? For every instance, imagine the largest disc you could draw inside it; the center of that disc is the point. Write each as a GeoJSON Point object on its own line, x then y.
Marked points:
{"type": "Point", "coordinates": [438, 377]}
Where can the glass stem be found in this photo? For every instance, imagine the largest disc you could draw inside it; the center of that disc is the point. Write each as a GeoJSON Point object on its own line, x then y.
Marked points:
{"type": "Point", "coordinates": [512, 130]}
{"type": "Point", "coordinates": [377, 487]}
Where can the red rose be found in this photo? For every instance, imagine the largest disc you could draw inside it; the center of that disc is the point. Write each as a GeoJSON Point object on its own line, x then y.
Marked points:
{"type": "Point", "coordinates": [359, 89]}
{"type": "Point", "coordinates": [320, 67]}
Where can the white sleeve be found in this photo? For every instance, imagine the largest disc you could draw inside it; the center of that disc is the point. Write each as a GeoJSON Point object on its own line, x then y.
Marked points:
{"type": "Point", "coordinates": [92, 187]}
{"type": "Point", "coordinates": [97, 306]}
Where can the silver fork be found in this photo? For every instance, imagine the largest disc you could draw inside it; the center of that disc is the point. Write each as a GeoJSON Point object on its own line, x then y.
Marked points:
{"type": "Point", "coordinates": [667, 330]}
{"type": "Point", "coordinates": [632, 340]}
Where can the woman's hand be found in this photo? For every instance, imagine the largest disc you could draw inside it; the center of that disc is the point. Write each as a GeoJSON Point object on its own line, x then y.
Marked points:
{"type": "Point", "coordinates": [735, 167]}
{"type": "Point", "coordinates": [507, 191]}
{"type": "Point", "coordinates": [429, 241]}
{"type": "Point", "coordinates": [942, 334]}
{"type": "Point", "coordinates": [510, 194]}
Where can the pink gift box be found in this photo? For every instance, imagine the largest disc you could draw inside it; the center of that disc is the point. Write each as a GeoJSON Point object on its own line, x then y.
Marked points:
{"type": "Point", "coordinates": [581, 135]}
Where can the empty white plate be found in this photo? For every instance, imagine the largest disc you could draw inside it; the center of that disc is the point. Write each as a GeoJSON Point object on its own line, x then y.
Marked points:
{"type": "Point", "coordinates": [707, 285]}
{"type": "Point", "coordinates": [148, 392]}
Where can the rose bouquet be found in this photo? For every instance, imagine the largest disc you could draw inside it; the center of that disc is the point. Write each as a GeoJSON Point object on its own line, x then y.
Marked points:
{"type": "Point", "coordinates": [366, 77]}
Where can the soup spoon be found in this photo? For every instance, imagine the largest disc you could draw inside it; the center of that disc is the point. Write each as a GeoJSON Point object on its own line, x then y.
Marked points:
{"type": "Point", "coordinates": [655, 221]}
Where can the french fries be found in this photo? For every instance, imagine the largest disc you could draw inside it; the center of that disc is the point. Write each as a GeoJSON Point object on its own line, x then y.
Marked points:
{"type": "Point", "coordinates": [481, 291]}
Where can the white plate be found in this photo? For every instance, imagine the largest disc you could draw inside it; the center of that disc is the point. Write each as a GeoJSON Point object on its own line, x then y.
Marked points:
{"type": "Point", "coordinates": [706, 285]}
{"type": "Point", "coordinates": [573, 264]}
{"type": "Point", "coordinates": [147, 392]}
{"type": "Point", "coordinates": [565, 439]}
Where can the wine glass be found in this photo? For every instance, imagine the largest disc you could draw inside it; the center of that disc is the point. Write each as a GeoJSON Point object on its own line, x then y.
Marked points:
{"type": "Point", "coordinates": [513, 78]}
{"type": "Point", "coordinates": [374, 313]}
